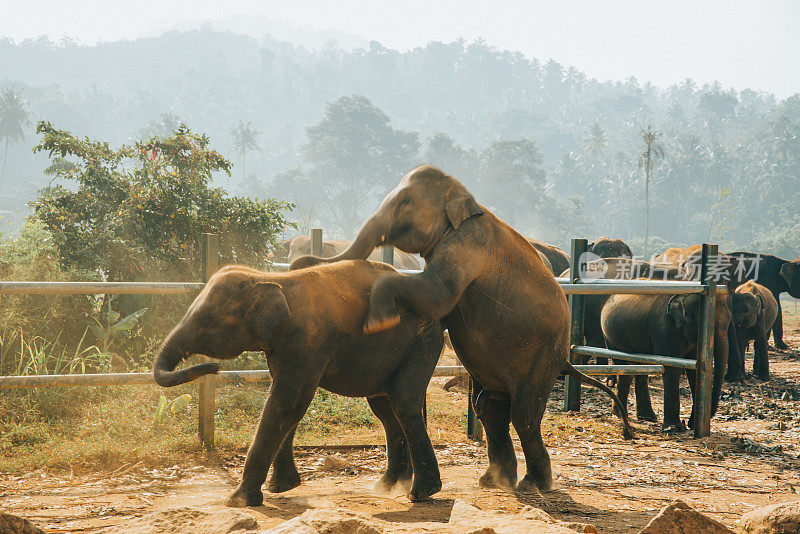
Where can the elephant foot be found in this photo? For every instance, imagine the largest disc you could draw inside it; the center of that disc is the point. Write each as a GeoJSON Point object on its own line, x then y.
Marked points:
{"type": "Point", "coordinates": [647, 415]}
{"type": "Point", "coordinates": [674, 428]}
{"type": "Point", "coordinates": [279, 484]}
{"type": "Point", "coordinates": [737, 377]}
{"type": "Point", "coordinates": [499, 478]}
{"type": "Point", "coordinates": [762, 375]}
{"type": "Point", "coordinates": [379, 324]}
{"type": "Point", "coordinates": [780, 345]}
{"type": "Point", "coordinates": [531, 484]}
{"type": "Point", "coordinates": [388, 482]}
{"type": "Point", "coordinates": [241, 498]}
{"type": "Point", "coordinates": [421, 491]}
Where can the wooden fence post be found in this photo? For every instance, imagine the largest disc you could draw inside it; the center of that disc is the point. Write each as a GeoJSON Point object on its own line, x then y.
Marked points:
{"type": "Point", "coordinates": [316, 242]}
{"type": "Point", "coordinates": [705, 348]}
{"type": "Point", "coordinates": [572, 386]}
{"type": "Point", "coordinates": [207, 403]}
{"type": "Point", "coordinates": [474, 426]}
{"type": "Point", "coordinates": [387, 254]}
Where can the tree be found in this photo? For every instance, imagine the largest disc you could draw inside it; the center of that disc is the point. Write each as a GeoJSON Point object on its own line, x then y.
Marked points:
{"type": "Point", "coordinates": [651, 152]}
{"type": "Point", "coordinates": [244, 140]}
{"type": "Point", "coordinates": [353, 156]}
{"type": "Point", "coordinates": [14, 114]}
{"type": "Point", "coordinates": [139, 210]}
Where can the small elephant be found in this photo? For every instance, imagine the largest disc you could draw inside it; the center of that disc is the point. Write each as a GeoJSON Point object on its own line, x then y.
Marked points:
{"type": "Point", "coordinates": [301, 246]}
{"type": "Point", "coordinates": [308, 323]}
{"type": "Point", "coordinates": [507, 316]}
{"type": "Point", "coordinates": [776, 274]}
{"type": "Point", "coordinates": [754, 316]}
{"type": "Point", "coordinates": [666, 325]}
{"type": "Point", "coordinates": [557, 259]}
{"type": "Point", "coordinates": [605, 247]}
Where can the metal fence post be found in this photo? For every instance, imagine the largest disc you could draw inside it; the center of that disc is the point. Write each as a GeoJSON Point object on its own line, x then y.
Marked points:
{"type": "Point", "coordinates": [474, 426]}
{"type": "Point", "coordinates": [207, 403]}
{"type": "Point", "coordinates": [316, 242]}
{"type": "Point", "coordinates": [705, 348]}
{"type": "Point", "coordinates": [572, 387]}
{"type": "Point", "coordinates": [387, 254]}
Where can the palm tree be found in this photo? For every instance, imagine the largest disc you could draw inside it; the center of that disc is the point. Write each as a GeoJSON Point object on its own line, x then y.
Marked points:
{"type": "Point", "coordinates": [651, 151]}
{"type": "Point", "coordinates": [244, 140]}
{"type": "Point", "coordinates": [596, 142]}
{"type": "Point", "coordinates": [13, 118]}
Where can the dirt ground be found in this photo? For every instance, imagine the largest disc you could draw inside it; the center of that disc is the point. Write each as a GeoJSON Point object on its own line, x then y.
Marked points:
{"type": "Point", "coordinates": [751, 459]}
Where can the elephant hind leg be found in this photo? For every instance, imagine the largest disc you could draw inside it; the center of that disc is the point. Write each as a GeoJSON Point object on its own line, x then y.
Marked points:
{"type": "Point", "coordinates": [644, 405]}
{"type": "Point", "coordinates": [495, 414]}
{"type": "Point", "coordinates": [398, 469]}
{"type": "Point", "coordinates": [528, 404]}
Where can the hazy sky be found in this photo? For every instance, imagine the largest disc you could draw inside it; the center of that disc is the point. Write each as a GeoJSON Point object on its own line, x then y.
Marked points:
{"type": "Point", "coordinates": [743, 44]}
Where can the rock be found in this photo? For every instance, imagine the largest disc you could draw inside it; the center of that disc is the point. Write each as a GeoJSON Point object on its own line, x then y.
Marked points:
{"type": "Point", "coordinates": [334, 463]}
{"type": "Point", "coordinates": [529, 512]}
{"type": "Point", "coordinates": [329, 521]}
{"type": "Point", "coordinates": [680, 518]}
{"type": "Point", "coordinates": [783, 518]}
{"type": "Point", "coordinates": [467, 518]}
{"type": "Point", "coordinates": [185, 519]}
{"type": "Point", "coordinates": [12, 524]}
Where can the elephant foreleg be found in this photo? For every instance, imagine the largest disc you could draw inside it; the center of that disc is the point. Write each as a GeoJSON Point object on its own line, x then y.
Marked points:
{"type": "Point", "coordinates": [644, 405]}
{"type": "Point", "coordinates": [736, 354]}
{"type": "Point", "coordinates": [672, 403]}
{"type": "Point", "coordinates": [284, 471]}
{"type": "Point", "coordinates": [760, 356]}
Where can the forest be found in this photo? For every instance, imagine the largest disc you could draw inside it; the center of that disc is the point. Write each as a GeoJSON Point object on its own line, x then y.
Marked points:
{"type": "Point", "coordinates": [553, 152]}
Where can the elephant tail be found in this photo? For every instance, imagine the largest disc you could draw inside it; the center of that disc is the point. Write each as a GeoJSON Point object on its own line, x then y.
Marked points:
{"type": "Point", "coordinates": [627, 431]}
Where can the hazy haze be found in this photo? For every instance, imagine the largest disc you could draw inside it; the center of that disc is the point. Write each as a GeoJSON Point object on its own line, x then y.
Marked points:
{"type": "Point", "coordinates": [742, 44]}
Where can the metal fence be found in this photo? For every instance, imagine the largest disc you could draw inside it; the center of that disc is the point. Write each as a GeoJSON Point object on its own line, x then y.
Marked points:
{"type": "Point", "coordinates": [572, 287]}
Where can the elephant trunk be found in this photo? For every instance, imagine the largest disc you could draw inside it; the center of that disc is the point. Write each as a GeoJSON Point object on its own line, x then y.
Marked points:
{"type": "Point", "coordinates": [170, 354]}
{"type": "Point", "coordinates": [371, 235]}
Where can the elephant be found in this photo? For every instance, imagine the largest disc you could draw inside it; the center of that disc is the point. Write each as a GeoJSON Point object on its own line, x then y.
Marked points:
{"type": "Point", "coordinates": [308, 323]}
{"type": "Point", "coordinates": [687, 260]}
{"type": "Point", "coordinates": [606, 247]}
{"type": "Point", "coordinates": [280, 252]}
{"type": "Point", "coordinates": [557, 258]}
{"type": "Point", "coordinates": [507, 316]}
{"type": "Point", "coordinates": [619, 269]}
{"type": "Point", "coordinates": [777, 275]}
{"type": "Point", "coordinates": [301, 246]}
{"type": "Point", "coordinates": [666, 325]}
{"type": "Point", "coordinates": [755, 317]}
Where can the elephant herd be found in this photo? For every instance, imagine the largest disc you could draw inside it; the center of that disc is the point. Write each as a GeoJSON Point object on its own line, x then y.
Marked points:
{"type": "Point", "coordinates": [360, 328]}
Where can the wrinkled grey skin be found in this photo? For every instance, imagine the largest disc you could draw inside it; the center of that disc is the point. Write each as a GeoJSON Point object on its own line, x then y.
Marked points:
{"type": "Point", "coordinates": [755, 311]}
{"type": "Point", "coordinates": [309, 325]}
{"type": "Point", "coordinates": [506, 314]}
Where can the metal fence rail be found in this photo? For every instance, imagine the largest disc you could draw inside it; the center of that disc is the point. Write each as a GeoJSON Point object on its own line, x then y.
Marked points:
{"type": "Point", "coordinates": [573, 287]}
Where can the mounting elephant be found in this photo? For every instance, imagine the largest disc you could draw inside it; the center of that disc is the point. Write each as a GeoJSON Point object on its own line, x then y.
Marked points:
{"type": "Point", "coordinates": [506, 314]}
{"type": "Point", "coordinates": [755, 315]}
{"type": "Point", "coordinates": [557, 259]}
{"type": "Point", "coordinates": [301, 246]}
{"type": "Point", "coordinates": [605, 247]}
{"type": "Point", "coordinates": [776, 274]}
{"type": "Point", "coordinates": [309, 325]}
{"type": "Point", "coordinates": [619, 269]}
{"type": "Point", "coordinates": [688, 261]}
{"type": "Point", "coordinates": [667, 325]}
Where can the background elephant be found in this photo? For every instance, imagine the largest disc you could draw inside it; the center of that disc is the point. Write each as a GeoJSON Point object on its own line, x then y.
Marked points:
{"type": "Point", "coordinates": [688, 261]}
{"type": "Point", "coordinates": [506, 314]}
{"type": "Point", "coordinates": [619, 269]}
{"type": "Point", "coordinates": [776, 274]}
{"type": "Point", "coordinates": [757, 313]}
{"type": "Point", "coordinates": [280, 252]}
{"type": "Point", "coordinates": [666, 325]}
{"type": "Point", "coordinates": [308, 323]}
{"type": "Point", "coordinates": [606, 247]}
{"type": "Point", "coordinates": [301, 246]}
{"type": "Point", "coordinates": [558, 259]}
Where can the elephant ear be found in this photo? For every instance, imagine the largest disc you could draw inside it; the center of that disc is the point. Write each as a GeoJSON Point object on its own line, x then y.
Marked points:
{"type": "Point", "coordinates": [460, 205]}
{"type": "Point", "coordinates": [789, 271]}
{"type": "Point", "coordinates": [676, 311]}
{"type": "Point", "coordinates": [269, 309]}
